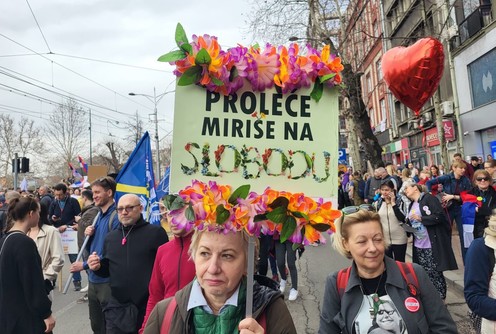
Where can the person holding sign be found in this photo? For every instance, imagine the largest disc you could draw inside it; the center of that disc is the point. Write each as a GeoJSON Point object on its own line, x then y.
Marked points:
{"type": "Point", "coordinates": [216, 298]}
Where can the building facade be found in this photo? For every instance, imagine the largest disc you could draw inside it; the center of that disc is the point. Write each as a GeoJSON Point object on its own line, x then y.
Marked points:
{"type": "Point", "coordinates": [475, 65]}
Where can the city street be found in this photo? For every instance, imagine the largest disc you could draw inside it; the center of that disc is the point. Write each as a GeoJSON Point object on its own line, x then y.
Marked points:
{"type": "Point", "coordinates": [314, 266]}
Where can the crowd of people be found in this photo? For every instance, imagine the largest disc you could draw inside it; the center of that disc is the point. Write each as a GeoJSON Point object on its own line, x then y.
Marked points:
{"type": "Point", "coordinates": [145, 278]}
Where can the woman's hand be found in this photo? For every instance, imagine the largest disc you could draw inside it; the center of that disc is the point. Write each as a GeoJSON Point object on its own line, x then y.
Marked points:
{"type": "Point", "coordinates": [49, 323]}
{"type": "Point", "coordinates": [249, 326]}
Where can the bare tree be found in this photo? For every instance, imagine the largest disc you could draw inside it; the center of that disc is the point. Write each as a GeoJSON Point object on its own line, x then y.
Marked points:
{"type": "Point", "coordinates": [66, 130]}
{"type": "Point", "coordinates": [111, 154]}
{"type": "Point", "coordinates": [7, 140]}
{"type": "Point", "coordinates": [317, 21]}
{"type": "Point", "coordinates": [136, 128]}
{"type": "Point", "coordinates": [29, 138]}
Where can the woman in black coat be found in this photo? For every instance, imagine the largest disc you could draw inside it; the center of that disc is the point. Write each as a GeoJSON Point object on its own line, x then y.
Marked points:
{"type": "Point", "coordinates": [432, 241]}
{"type": "Point", "coordinates": [487, 195]}
{"type": "Point", "coordinates": [24, 304]}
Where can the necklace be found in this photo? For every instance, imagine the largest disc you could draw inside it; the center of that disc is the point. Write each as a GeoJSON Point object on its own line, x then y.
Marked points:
{"type": "Point", "coordinates": [124, 236]}
{"type": "Point", "coordinates": [374, 297]}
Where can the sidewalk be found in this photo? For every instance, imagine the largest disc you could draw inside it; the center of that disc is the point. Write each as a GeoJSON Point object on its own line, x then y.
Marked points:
{"type": "Point", "coordinates": [454, 278]}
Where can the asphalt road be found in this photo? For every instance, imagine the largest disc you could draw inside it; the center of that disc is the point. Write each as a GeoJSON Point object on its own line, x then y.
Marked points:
{"type": "Point", "coordinates": [314, 266]}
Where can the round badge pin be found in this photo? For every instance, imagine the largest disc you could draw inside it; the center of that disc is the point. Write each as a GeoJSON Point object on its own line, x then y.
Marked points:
{"type": "Point", "coordinates": [412, 304]}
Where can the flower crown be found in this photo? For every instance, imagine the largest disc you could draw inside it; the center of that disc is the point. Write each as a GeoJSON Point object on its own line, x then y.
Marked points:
{"type": "Point", "coordinates": [211, 206]}
{"type": "Point", "coordinates": [203, 62]}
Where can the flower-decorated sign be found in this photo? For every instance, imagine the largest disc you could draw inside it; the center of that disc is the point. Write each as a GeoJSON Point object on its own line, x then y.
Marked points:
{"type": "Point", "coordinates": [252, 116]}
{"type": "Point", "coordinates": [212, 206]}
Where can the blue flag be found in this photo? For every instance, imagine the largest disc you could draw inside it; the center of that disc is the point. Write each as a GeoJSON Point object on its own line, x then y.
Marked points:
{"type": "Point", "coordinates": [137, 177]}
{"type": "Point", "coordinates": [163, 186]}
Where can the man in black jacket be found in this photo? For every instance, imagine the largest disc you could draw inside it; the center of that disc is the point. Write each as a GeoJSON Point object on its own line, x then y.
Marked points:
{"type": "Point", "coordinates": [128, 257]}
{"type": "Point", "coordinates": [62, 214]}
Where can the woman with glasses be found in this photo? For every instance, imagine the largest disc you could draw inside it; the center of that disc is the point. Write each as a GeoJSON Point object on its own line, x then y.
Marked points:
{"type": "Point", "coordinates": [486, 195]}
{"type": "Point", "coordinates": [24, 303]}
{"type": "Point", "coordinates": [432, 239]}
{"type": "Point", "coordinates": [392, 219]}
{"type": "Point", "coordinates": [387, 320]}
{"type": "Point", "coordinates": [375, 286]}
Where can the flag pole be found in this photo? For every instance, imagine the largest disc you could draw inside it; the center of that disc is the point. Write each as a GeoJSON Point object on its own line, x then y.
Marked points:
{"type": "Point", "coordinates": [249, 279]}
{"type": "Point", "coordinates": [80, 255]}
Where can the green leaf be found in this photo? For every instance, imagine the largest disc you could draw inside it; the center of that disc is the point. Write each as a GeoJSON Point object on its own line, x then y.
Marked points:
{"type": "Point", "coordinates": [195, 145]}
{"type": "Point", "coordinates": [317, 91]}
{"type": "Point", "coordinates": [327, 77]}
{"type": "Point", "coordinates": [321, 227]}
{"type": "Point", "coordinates": [241, 192]}
{"type": "Point", "coordinates": [259, 218]}
{"type": "Point", "coordinates": [233, 74]}
{"type": "Point", "coordinates": [256, 46]}
{"type": "Point", "coordinates": [186, 47]}
{"type": "Point", "coordinates": [280, 201]}
{"type": "Point", "coordinates": [222, 214]}
{"type": "Point", "coordinates": [173, 202]}
{"type": "Point", "coordinates": [190, 76]}
{"type": "Point", "coordinates": [278, 215]}
{"type": "Point", "coordinates": [202, 57]}
{"type": "Point", "coordinates": [172, 56]}
{"type": "Point", "coordinates": [309, 161]}
{"type": "Point", "coordinates": [299, 214]}
{"type": "Point", "coordinates": [181, 35]}
{"type": "Point", "coordinates": [288, 228]}
{"type": "Point", "coordinates": [296, 246]}
{"type": "Point", "coordinates": [217, 82]}
{"type": "Point", "coordinates": [190, 213]}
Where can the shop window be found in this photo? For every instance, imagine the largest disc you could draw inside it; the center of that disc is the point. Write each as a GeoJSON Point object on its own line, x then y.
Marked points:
{"type": "Point", "coordinates": [483, 79]}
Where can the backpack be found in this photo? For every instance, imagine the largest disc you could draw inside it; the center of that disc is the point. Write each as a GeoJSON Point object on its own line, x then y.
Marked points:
{"type": "Point", "coordinates": [361, 188]}
{"type": "Point", "coordinates": [406, 270]}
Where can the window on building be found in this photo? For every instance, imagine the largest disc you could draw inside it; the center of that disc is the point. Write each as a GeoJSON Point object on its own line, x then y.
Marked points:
{"type": "Point", "coordinates": [382, 104]}
{"type": "Point", "coordinates": [369, 84]}
{"type": "Point", "coordinates": [378, 66]}
{"type": "Point", "coordinates": [375, 26]}
{"type": "Point", "coordinates": [481, 73]}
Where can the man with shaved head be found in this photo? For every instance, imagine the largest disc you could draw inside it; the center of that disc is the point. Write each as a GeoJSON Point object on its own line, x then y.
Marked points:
{"type": "Point", "coordinates": [128, 257]}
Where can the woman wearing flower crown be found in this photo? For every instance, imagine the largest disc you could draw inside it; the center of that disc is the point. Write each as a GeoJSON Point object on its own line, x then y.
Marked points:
{"type": "Point", "coordinates": [215, 301]}
{"type": "Point", "coordinates": [375, 293]}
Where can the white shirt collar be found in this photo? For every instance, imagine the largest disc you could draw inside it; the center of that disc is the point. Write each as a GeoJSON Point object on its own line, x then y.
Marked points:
{"type": "Point", "coordinates": [197, 299]}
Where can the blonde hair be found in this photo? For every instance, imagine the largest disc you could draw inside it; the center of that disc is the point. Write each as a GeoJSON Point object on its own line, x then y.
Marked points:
{"type": "Point", "coordinates": [195, 242]}
{"type": "Point", "coordinates": [344, 224]}
{"type": "Point", "coordinates": [459, 164]}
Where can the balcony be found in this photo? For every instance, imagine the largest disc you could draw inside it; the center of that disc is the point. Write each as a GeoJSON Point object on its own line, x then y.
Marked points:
{"type": "Point", "coordinates": [474, 23]}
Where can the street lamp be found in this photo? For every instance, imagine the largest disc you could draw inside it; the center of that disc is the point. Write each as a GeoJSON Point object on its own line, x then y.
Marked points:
{"type": "Point", "coordinates": [155, 99]}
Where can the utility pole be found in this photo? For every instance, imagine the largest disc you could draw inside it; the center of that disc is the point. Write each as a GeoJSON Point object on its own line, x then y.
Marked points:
{"type": "Point", "coordinates": [16, 171]}
{"type": "Point", "coordinates": [157, 141]}
{"type": "Point", "coordinates": [91, 145]}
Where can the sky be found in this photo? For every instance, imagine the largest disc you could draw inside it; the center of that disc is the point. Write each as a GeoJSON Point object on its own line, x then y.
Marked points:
{"type": "Point", "coordinates": [82, 45]}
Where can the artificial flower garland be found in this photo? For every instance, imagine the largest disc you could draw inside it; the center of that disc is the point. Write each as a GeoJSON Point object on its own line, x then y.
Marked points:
{"type": "Point", "coordinates": [204, 63]}
{"type": "Point", "coordinates": [211, 206]}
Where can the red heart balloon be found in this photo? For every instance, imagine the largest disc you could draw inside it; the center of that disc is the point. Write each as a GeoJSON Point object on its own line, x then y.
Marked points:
{"type": "Point", "coordinates": [413, 73]}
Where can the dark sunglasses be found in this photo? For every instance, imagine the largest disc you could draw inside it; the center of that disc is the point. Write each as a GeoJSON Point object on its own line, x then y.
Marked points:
{"type": "Point", "coordinates": [353, 209]}
{"type": "Point", "coordinates": [482, 179]}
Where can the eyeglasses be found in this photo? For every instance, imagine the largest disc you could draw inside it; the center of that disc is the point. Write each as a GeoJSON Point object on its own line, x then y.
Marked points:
{"type": "Point", "coordinates": [482, 179]}
{"type": "Point", "coordinates": [127, 208]}
{"type": "Point", "coordinates": [390, 312]}
{"type": "Point", "coordinates": [353, 209]}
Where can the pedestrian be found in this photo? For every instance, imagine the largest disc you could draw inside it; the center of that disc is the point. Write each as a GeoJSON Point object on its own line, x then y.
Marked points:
{"type": "Point", "coordinates": [4, 218]}
{"type": "Point", "coordinates": [128, 257]}
{"type": "Point", "coordinates": [85, 219]}
{"type": "Point", "coordinates": [173, 269]}
{"type": "Point", "coordinates": [62, 212]}
{"type": "Point", "coordinates": [490, 167]}
{"type": "Point", "coordinates": [286, 256]}
{"type": "Point", "coordinates": [432, 239]}
{"type": "Point", "coordinates": [486, 195]}
{"type": "Point", "coordinates": [107, 220]}
{"type": "Point", "coordinates": [479, 280]}
{"type": "Point", "coordinates": [49, 244]}
{"type": "Point", "coordinates": [215, 301]}
{"type": "Point", "coordinates": [351, 305]}
{"type": "Point", "coordinates": [453, 184]}
{"type": "Point", "coordinates": [392, 219]}
{"type": "Point", "coordinates": [24, 304]}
